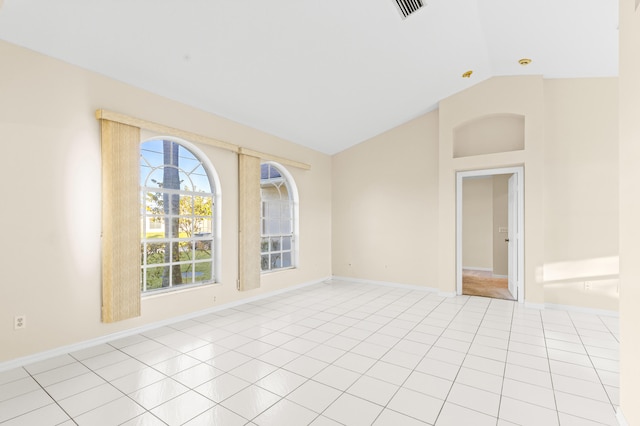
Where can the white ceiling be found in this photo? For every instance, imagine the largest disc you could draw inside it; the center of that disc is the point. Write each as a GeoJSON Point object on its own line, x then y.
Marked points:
{"type": "Point", "coordinates": [327, 74]}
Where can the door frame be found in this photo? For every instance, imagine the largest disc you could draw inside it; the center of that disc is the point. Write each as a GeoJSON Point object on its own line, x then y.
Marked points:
{"type": "Point", "coordinates": [517, 170]}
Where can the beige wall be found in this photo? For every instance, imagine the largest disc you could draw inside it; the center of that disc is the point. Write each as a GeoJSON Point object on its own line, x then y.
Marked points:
{"type": "Point", "coordinates": [383, 210]}
{"type": "Point", "coordinates": [489, 135]}
{"type": "Point", "coordinates": [385, 204]}
{"type": "Point", "coordinates": [51, 208]}
{"type": "Point", "coordinates": [484, 212]}
{"type": "Point", "coordinates": [477, 223]}
{"type": "Point", "coordinates": [500, 220]}
{"type": "Point", "coordinates": [629, 103]}
{"type": "Point", "coordinates": [504, 95]}
{"type": "Point", "coordinates": [570, 139]}
{"type": "Point", "coordinates": [581, 192]}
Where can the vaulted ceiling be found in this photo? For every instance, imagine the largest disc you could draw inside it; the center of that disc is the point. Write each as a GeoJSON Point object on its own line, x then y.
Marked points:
{"type": "Point", "coordinates": [326, 74]}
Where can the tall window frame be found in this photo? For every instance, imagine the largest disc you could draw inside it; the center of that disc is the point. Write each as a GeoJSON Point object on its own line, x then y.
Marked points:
{"type": "Point", "coordinates": [279, 224]}
{"type": "Point", "coordinates": [180, 227]}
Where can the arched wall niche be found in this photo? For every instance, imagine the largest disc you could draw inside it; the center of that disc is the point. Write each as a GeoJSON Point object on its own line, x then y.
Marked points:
{"type": "Point", "coordinates": [489, 134]}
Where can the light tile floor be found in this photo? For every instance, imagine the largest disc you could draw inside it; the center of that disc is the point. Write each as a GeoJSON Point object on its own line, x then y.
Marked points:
{"type": "Point", "coordinates": [336, 353]}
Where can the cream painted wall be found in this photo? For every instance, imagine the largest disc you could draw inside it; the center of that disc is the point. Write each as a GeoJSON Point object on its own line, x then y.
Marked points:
{"type": "Point", "coordinates": [510, 95]}
{"type": "Point", "coordinates": [570, 185]}
{"type": "Point", "coordinates": [561, 118]}
{"type": "Point", "coordinates": [385, 204]}
{"type": "Point", "coordinates": [479, 137]}
{"type": "Point", "coordinates": [500, 220]}
{"type": "Point", "coordinates": [581, 192]}
{"type": "Point", "coordinates": [383, 210]}
{"type": "Point", "coordinates": [51, 175]}
{"type": "Point", "coordinates": [477, 223]}
{"type": "Point", "coordinates": [629, 111]}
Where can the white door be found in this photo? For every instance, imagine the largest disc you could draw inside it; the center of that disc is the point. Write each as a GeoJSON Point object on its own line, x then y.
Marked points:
{"type": "Point", "coordinates": [512, 236]}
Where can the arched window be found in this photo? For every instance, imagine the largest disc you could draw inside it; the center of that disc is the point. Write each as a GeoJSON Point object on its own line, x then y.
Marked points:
{"type": "Point", "coordinates": [178, 211]}
{"type": "Point", "coordinates": [278, 223]}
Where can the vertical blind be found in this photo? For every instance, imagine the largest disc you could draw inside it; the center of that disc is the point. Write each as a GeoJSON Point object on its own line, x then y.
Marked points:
{"type": "Point", "coordinates": [249, 222]}
{"type": "Point", "coordinates": [120, 221]}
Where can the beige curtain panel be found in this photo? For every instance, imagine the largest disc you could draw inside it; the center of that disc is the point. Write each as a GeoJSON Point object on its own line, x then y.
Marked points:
{"type": "Point", "coordinates": [120, 221]}
{"type": "Point", "coordinates": [249, 222]}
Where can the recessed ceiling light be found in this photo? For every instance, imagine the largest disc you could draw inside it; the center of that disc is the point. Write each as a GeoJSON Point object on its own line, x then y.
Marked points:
{"type": "Point", "coordinates": [467, 74]}
{"type": "Point", "coordinates": [524, 61]}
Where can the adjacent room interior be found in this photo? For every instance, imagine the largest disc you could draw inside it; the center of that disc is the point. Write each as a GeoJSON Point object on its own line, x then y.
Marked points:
{"type": "Point", "coordinates": [485, 241]}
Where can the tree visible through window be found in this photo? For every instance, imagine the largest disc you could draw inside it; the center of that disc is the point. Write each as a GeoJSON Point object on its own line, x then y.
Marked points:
{"type": "Point", "coordinates": [177, 212]}
{"type": "Point", "coordinates": [278, 219]}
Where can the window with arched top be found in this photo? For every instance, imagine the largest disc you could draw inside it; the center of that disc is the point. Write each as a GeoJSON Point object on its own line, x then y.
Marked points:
{"type": "Point", "coordinates": [278, 223]}
{"type": "Point", "coordinates": [178, 215]}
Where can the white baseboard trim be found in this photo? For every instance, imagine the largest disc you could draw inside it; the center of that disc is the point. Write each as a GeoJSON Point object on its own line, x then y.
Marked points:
{"type": "Point", "coordinates": [571, 308]}
{"type": "Point", "coordinates": [539, 306]}
{"type": "Point", "coordinates": [620, 417]}
{"type": "Point", "coordinates": [397, 285]}
{"type": "Point", "coordinates": [603, 312]}
{"type": "Point", "coordinates": [388, 284]}
{"type": "Point", "coordinates": [499, 276]}
{"type": "Point", "coordinates": [62, 350]}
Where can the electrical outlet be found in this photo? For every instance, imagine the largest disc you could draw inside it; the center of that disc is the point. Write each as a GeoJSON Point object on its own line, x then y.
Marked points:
{"type": "Point", "coordinates": [587, 285]}
{"type": "Point", "coordinates": [19, 322]}
{"type": "Point", "coordinates": [214, 298]}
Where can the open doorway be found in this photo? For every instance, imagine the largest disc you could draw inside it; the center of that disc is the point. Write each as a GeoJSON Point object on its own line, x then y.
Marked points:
{"type": "Point", "coordinates": [489, 243]}
{"type": "Point", "coordinates": [485, 243]}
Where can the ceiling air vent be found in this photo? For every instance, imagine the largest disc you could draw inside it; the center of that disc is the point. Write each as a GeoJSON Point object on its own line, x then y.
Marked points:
{"type": "Point", "coordinates": [407, 7]}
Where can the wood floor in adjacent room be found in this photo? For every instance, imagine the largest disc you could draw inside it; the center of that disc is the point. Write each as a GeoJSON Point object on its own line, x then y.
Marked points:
{"type": "Point", "coordinates": [483, 283]}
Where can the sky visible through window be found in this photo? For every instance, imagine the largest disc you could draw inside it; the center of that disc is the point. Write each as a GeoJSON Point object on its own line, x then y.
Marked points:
{"type": "Point", "coordinates": [193, 177]}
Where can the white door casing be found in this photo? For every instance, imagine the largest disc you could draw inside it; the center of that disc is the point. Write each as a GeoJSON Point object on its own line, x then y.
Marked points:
{"type": "Point", "coordinates": [516, 215]}
{"type": "Point", "coordinates": [512, 235]}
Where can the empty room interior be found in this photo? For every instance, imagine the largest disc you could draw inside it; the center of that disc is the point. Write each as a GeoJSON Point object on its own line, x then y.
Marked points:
{"type": "Point", "coordinates": [327, 213]}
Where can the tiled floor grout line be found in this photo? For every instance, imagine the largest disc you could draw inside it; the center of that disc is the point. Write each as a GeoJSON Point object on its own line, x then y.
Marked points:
{"type": "Point", "coordinates": [378, 359]}
{"type": "Point", "coordinates": [546, 349]}
{"type": "Point", "coordinates": [48, 394]}
{"type": "Point", "coordinates": [591, 360]}
{"type": "Point", "coordinates": [608, 329]}
{"type": "Point", "coordinates": [405, 310]}
{"type": "Point", "coordinates": [119, 349]}
{"type": "Point", "coordinates": [255, 382]}
{"type": "Point", "coordinates": [392, 308]}
{"type": "Point", "coordinates": [406, 334]}
{"type": "Point", "coordinates": [328, 364]}
{"type": "Point", "coordinates": [127, 395]}
{"type": "Point", "coordinates": [310, 378]}
{"type": "Point", "coordinates": [466, 353]}
{"type": "Point", "coordinates": [249, 360]}
{"type": "Point", "coordinates": [506, 358]}
{"type": "Point", "coordinates": [110, 381]}
{"type": "Point", "coordinates": [307, 379]}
